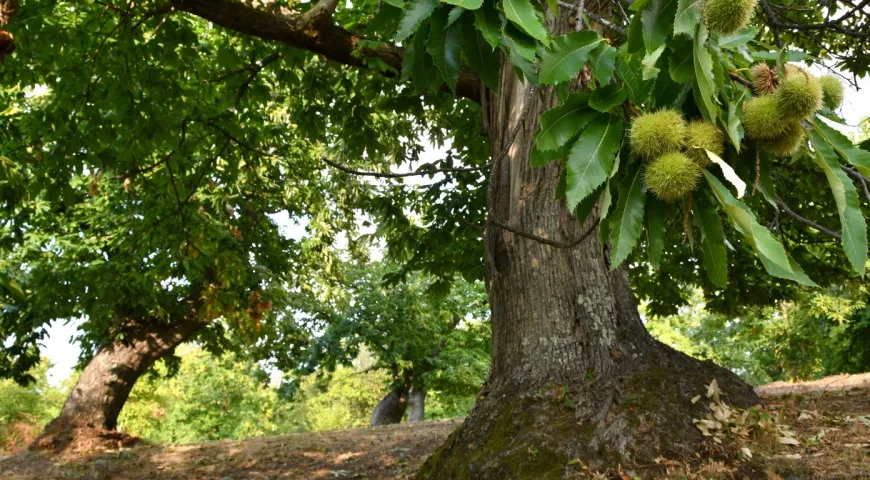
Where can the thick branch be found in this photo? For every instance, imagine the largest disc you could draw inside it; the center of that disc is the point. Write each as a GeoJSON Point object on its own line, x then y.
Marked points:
{"type": "Point", "coordinates": [331, 41]}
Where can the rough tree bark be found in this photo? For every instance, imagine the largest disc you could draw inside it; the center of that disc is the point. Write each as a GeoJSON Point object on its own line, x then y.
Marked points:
{"type": "Point", "coordinates": [418, 406]}
{"type": "Point", "coordinates": [391, 408]}
{"type": "Point", "coordinates": [105, 384]}
{"type": "Point", "coordinates": [565, 327]}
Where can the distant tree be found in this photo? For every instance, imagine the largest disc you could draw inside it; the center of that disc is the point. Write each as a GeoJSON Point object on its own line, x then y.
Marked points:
{"type": "Point", "coordinates": [427, 341]}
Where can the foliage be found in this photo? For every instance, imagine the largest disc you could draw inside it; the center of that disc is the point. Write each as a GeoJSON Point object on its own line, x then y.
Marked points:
{"type": "Point", "coordinates": [822, 333]}
{"type": "Point", "coordinates": [25, 408]}
{"type": "Point", "coordinates": [424, 338]}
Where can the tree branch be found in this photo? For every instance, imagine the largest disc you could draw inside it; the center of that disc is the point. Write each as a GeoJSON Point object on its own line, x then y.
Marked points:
{"type": "Point", "coordinates": [547, 241]}
{"type": "Point", "coordinates": [399, 175]}
{"type": "Point", "coordinates": [806, 221]}
{"type": "Point", "coordinates": [320, 13]}
{"type": "Point", "coordinates": [331, 41]}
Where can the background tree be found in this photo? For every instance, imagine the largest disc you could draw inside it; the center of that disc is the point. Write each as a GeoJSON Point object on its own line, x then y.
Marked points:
{"type": "Point", "coordinates": [426, 342]}
{"type": "Point", "coordinates": [564, 320]}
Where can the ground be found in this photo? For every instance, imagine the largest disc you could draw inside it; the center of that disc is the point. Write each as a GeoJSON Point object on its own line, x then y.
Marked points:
{"type": "Point", "coordinates": [830, 419]}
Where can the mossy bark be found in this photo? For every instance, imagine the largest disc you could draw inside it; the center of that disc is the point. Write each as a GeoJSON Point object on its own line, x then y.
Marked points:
{"type": "Point", "coordinates": [575, 375]}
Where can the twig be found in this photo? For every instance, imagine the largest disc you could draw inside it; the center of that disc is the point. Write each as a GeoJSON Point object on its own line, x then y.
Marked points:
{"type": "Point", "coordinates": [399, 175]}
{"type": "Point", "coordinates": [736, 77]}
{"type": "Point", "coordinates": [547, 241]}
{"type": "Point", "coordinates": [806, 221]}
{"type": "Point", "coordinates": [603, 21]}
{"type": "Point", "coordinates": [257, 68]}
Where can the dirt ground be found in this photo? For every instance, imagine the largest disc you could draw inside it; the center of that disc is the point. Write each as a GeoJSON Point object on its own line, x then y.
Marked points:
{"type": "Point", "coordinates": [830, 419]}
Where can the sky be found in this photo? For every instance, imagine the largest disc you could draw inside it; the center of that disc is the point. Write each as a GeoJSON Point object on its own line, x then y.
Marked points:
{"type": "Point", "coordinates": [63, 353]}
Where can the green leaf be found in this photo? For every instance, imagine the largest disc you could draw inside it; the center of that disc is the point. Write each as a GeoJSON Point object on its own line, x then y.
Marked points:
{"type": "Point", "coordinates": [481, 58]}
{"type": "Point", "coordinates": [455, 14]}
{"type": "Point", "coordinates": [466, 4]}
{"type": "Point", "coordinates": [688, 16]}
{"type": "Point", "coordinates": [650, 71]}
{"type": "Point", "coordinates": [602, 61]}
{"type": "Point", "coordinates": [419, 61]}
{"type": "Point", "coordinates": [627, 219]}
{"type": "Point", "coordinates": [852, 154]}
{"type": "Point", "coordinates": [680, 62]}
{"type": "Point", "coordinates": [522, 66]}
{"type": "Point", "coordinates": [635, 35]}
{"type": "Point", "coordinates": [522, 43]}
{"type": "Point", "coordinates": [562, 123]}
{"type": "Point", "coordinates": [591, 158]}
{"type": "Point", "coordinates": [657, 19]}
{"type": "Point", "coordinates": [487, 20]}
{"type": "Point", "coordinates": [655, 230]}
{"type": "Point", "coordinates": [771, 253]}
{"type": "Point", "coordinates": [415, 12]}
{"type": "Point", "coordinates": [738, 39]}
{"type": "Point", "coordinates": [585, 207]}
{"type": "Point", "coordinates": [606, 97]}
{"type": "Point", "coordinates": [790, 55]}
{"type": "Point", "coordinates": [705, 90]}
{"type": "Point", "coordinates": [524, 15]}
{"type": "Point", "coordinates": [765, 180]}
{"type": "Point", "coordinates": [853, 227]}
{"type": "Point", "coordinates": [629, 71]}
{"type": "Point", "coordinates": [567, 55]}
{"type": "Point", "coordinates": [712, 241]}
{"type": "Point", "coordinates": [542, 158]}
{"type": "Point", "coordinates": [735, 126]}
{"type": "Point", "coordinates": [445, 47]}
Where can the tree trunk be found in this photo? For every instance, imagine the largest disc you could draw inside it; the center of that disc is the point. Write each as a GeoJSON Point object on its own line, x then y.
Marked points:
{"type": "Point", "coordinates": [106, 382]}
{"type": "Point", "coordinates": [418, 406]}
{"type": "Point", "coordinates": [575, 375]}
{"type": "Point", "coordinates": [391, 408]}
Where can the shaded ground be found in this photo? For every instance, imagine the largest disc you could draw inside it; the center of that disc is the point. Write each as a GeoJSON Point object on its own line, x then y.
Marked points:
{"type": "Point", "coordinates": [830, 419]}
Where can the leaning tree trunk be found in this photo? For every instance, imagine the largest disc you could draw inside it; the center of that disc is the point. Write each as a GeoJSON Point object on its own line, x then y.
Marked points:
{"type": "Point", "coordinates": [391, 408]}
{"type": "Point", "coordinates": [418, 406]}
{"type": "Point", "coordinates": [105, 384]}
{"type": "Point", "coordinates": [575, 375]}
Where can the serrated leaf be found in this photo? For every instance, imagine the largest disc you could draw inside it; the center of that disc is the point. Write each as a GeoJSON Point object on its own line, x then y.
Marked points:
{"type": "Point", "coordinates": [688, 16]}
{"type": "Point", "coordinates": [602, 61]}
{"type": "Point", "coordinates": [657, 19]}
{"type": "Point", "coordinates": [655, 230]}
{"type": "Point", "coordinates": [560, 124]}
{"type": "Point", "coordinates": [606, 97]}
{"type": "Point", "coordinates": [629, 71]}
{"type": "Point", "coordinates": [567, 55]}
{"type": "Point", "coordinates": [852, 154]}
{"type": "Point", "coordinates": [524, 15]}
{"type": "Point", "coordinates": [542, 158]}
{"type": "Point", "coordinates": [585, 207]}
{"type": "Point", "coordinates": [522, 66]}
{"type": "Point", "coordinates": [627, 219]}
{"type": "Point", "coordinates": [466, 4]}
{"type": "Point", "coordinates": [729, 173]}
{"type": "Point", "coordinates": [771, 253]}
{"type": "Point", "coordinates": [735, 126]}
{"type": "Point", "coordinates": [635, 35]}
{"type": "Point", "coordinates": [455, 14]}
{"type": "Point", "coordinates": [524, 45]}
{"type": "Point", "coordinates": [765, 181]}
{"type": "Point", "coordinates": [487, 21]}
{"type": "Point", "coordinates": [789, 55]}
{"type": "Point", "coordinates": [591, 158]}
{"type": "Point", "coordinates": [853, 227]}
{"type": "Point", "coordinates": [415, 12]}
{"type": "Point", "coordinates": [445, 47]}
{"type": "Point", "coordinates": [738, 39]}
{"type": "Point", "coordinates": [680, 62]}
{"type": "Point", "coordinates": [712, 241]}
{"type": "Point", "coordinates": [650, 71]}
{"type": "Point", "coordinates": [704, 80]}
{"type": "Point", "coordinates": [481, 58]}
